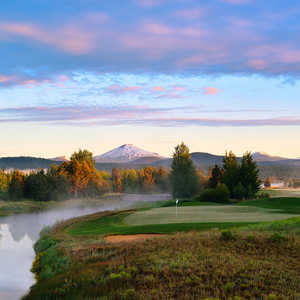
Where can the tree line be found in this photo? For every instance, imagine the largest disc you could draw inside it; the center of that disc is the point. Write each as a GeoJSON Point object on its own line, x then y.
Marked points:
{"type": "Point", "coordinates": [80, 178]}
{"type": "Point", "coordinates": [231, 180]}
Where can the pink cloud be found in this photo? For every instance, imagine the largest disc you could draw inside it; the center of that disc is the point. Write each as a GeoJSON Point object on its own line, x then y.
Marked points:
{"type": "Point", "coordinates": [128, 115]}
{"type": "Point", "coordinates": [12, 80]}
{"type": "Point", "coordinates": [211, 91]}
{"type": "Point", "coordinates": [156, 28]}
{"type": "Point", "coordinates": [178, 88]}
{"type": "Point", "coordinates": [158, 89]}
{"type": "Point", "coordinates": [4, 79]}
{"type": "Point", "coordinates": [170, 95]}
{"type": "Point", "coordinates": [70, 38]}
{"type": "Point", "coordinates": [117, 89]}
{"type": "Point", "coordinates": [258, 64]}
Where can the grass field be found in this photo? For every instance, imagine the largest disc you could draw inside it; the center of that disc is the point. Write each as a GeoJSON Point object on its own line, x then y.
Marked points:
{"type": "Point", "coordinates": [205, 214]}
{"type": "Point", "coordinates": [165, 220]}
{"type": "Point", "coordinates": [283, 204]}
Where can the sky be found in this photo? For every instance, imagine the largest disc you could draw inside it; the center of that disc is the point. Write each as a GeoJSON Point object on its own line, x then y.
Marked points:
{"type": "Point", "coordinates": [217, 74]}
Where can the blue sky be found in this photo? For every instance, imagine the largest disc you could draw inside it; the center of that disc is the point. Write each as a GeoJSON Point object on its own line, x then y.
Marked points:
{"type": "Point", "coordinates": [218, 74]}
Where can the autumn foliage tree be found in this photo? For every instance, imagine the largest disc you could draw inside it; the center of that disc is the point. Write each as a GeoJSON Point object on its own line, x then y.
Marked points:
{"type": "Point", "coordinates": [116, 181]}
{"type": "Point", "coordinates": [84, 178]}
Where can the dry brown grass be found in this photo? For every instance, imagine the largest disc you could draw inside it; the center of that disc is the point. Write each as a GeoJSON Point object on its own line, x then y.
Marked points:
{"type": "Point", "coordinates": [117, 239]}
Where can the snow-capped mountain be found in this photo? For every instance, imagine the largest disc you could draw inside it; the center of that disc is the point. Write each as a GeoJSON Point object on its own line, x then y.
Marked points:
{"type": "Point", "coordinates": [125, 153]}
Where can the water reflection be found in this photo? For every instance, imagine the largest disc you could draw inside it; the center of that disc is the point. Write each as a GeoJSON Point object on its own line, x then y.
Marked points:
{"type": "Point", "coordinates": [19, 232]}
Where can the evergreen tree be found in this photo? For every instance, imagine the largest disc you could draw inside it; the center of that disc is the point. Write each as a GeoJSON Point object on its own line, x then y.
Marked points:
{"type": "Point", "coordinates": [231, 172]}
{"type": "Point", "coordinates": [216, 177]}
{"type": "Point", "coordinates": [184, 179]}
{"type": "Point", "coordinates": [16, 185]}
{"type": "Point", "coordinates": [249, 176]}
{"type": "Point", "coordinates": [37, 187]}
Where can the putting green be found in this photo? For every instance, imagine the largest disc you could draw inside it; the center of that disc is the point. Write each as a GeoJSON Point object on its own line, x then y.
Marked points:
{"type": "Point", "coordinates": [205, 214]}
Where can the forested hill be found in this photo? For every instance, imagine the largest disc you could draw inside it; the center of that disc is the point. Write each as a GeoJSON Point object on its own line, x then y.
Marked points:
{"type": "Point", "coordinates": [25, 162]}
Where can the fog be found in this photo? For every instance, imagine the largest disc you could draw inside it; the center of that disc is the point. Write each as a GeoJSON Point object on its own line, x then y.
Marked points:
{"type": "Point", "coordinates": [19, 232]}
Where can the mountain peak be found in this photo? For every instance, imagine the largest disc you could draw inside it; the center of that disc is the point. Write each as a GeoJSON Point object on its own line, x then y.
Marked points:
{"type": "Point", "coordinates": [125, 153]}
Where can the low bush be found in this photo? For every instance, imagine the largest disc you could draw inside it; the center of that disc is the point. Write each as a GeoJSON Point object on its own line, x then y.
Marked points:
{"type": "Point", "coordinates": [220, 194]}
{"type": "Point", "coordinates": [49, 260]}
{"type": "Point", "coordinates": [227, 235]}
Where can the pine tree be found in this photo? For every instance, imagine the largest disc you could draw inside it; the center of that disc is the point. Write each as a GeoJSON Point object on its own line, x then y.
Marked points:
{"type": "Point", "coordinates": [249, 175]}
{"type": "Point", "coordinates": [184, 179]}
{"type": "Point", "coordinates": [231, 172]}
{"type": "Point", "coordinates": [216, 177]}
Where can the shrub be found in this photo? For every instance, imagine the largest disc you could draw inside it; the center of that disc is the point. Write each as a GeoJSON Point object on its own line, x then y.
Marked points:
{"type": "Point", "coordinates": [239, 191]}
{"type": "Point", "coordinates": [227, 235]}
{"type": "Point", "coordinates": [278, 238]}
{"type": "Point", "coordinates": [220, 194]}
{"type": "Point", "coordinates": [49, 260]}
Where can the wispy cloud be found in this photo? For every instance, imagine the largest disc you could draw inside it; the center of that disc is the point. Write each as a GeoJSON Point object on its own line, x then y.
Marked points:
{"type": "Point", "coordinates": [30, 81]}
{"type": "Point", "coordinates": [132, 115]}
{"type": "Point", "coordinates": [117, 89]}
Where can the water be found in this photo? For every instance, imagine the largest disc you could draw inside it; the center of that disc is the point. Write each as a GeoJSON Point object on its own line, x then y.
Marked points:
{"type": "Point", "coordinates": [19, 232]}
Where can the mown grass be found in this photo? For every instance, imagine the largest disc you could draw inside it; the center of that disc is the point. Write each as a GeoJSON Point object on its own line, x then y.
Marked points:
{"type": "Point", "coordinates": [285, 205]}
{"type": "Point", "coordinates": [161, 219]}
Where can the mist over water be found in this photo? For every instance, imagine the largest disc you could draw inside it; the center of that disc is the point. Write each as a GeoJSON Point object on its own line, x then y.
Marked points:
{"type": "Point", "coordinates": [19, 232]}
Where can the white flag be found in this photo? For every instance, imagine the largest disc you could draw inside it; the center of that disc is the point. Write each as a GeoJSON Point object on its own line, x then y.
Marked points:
{"type": "Point", "coordinates": [177, 201]}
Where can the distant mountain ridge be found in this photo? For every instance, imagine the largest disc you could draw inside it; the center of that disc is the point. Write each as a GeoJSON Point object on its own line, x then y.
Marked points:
{"type": "Point", "coordinates": [262, 156]}
{"type": "Point", "coordinates": [129, 156]}
{"type": "Point", "coordinates": [25, 163]}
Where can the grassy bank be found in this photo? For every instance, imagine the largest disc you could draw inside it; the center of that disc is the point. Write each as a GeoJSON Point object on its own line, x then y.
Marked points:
{"type": "Point", "coordinates": [15, 207]}
{"type": "Point", "coordinates": [27, 206]}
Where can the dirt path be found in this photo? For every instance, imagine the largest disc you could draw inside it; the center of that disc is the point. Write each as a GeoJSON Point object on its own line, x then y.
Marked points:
{"type": "Point", "coordinates": [115, 239]}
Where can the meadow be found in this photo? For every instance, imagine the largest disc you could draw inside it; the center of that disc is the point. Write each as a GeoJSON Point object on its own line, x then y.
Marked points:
{"type": "Point", "coordinates": [217, 259]}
